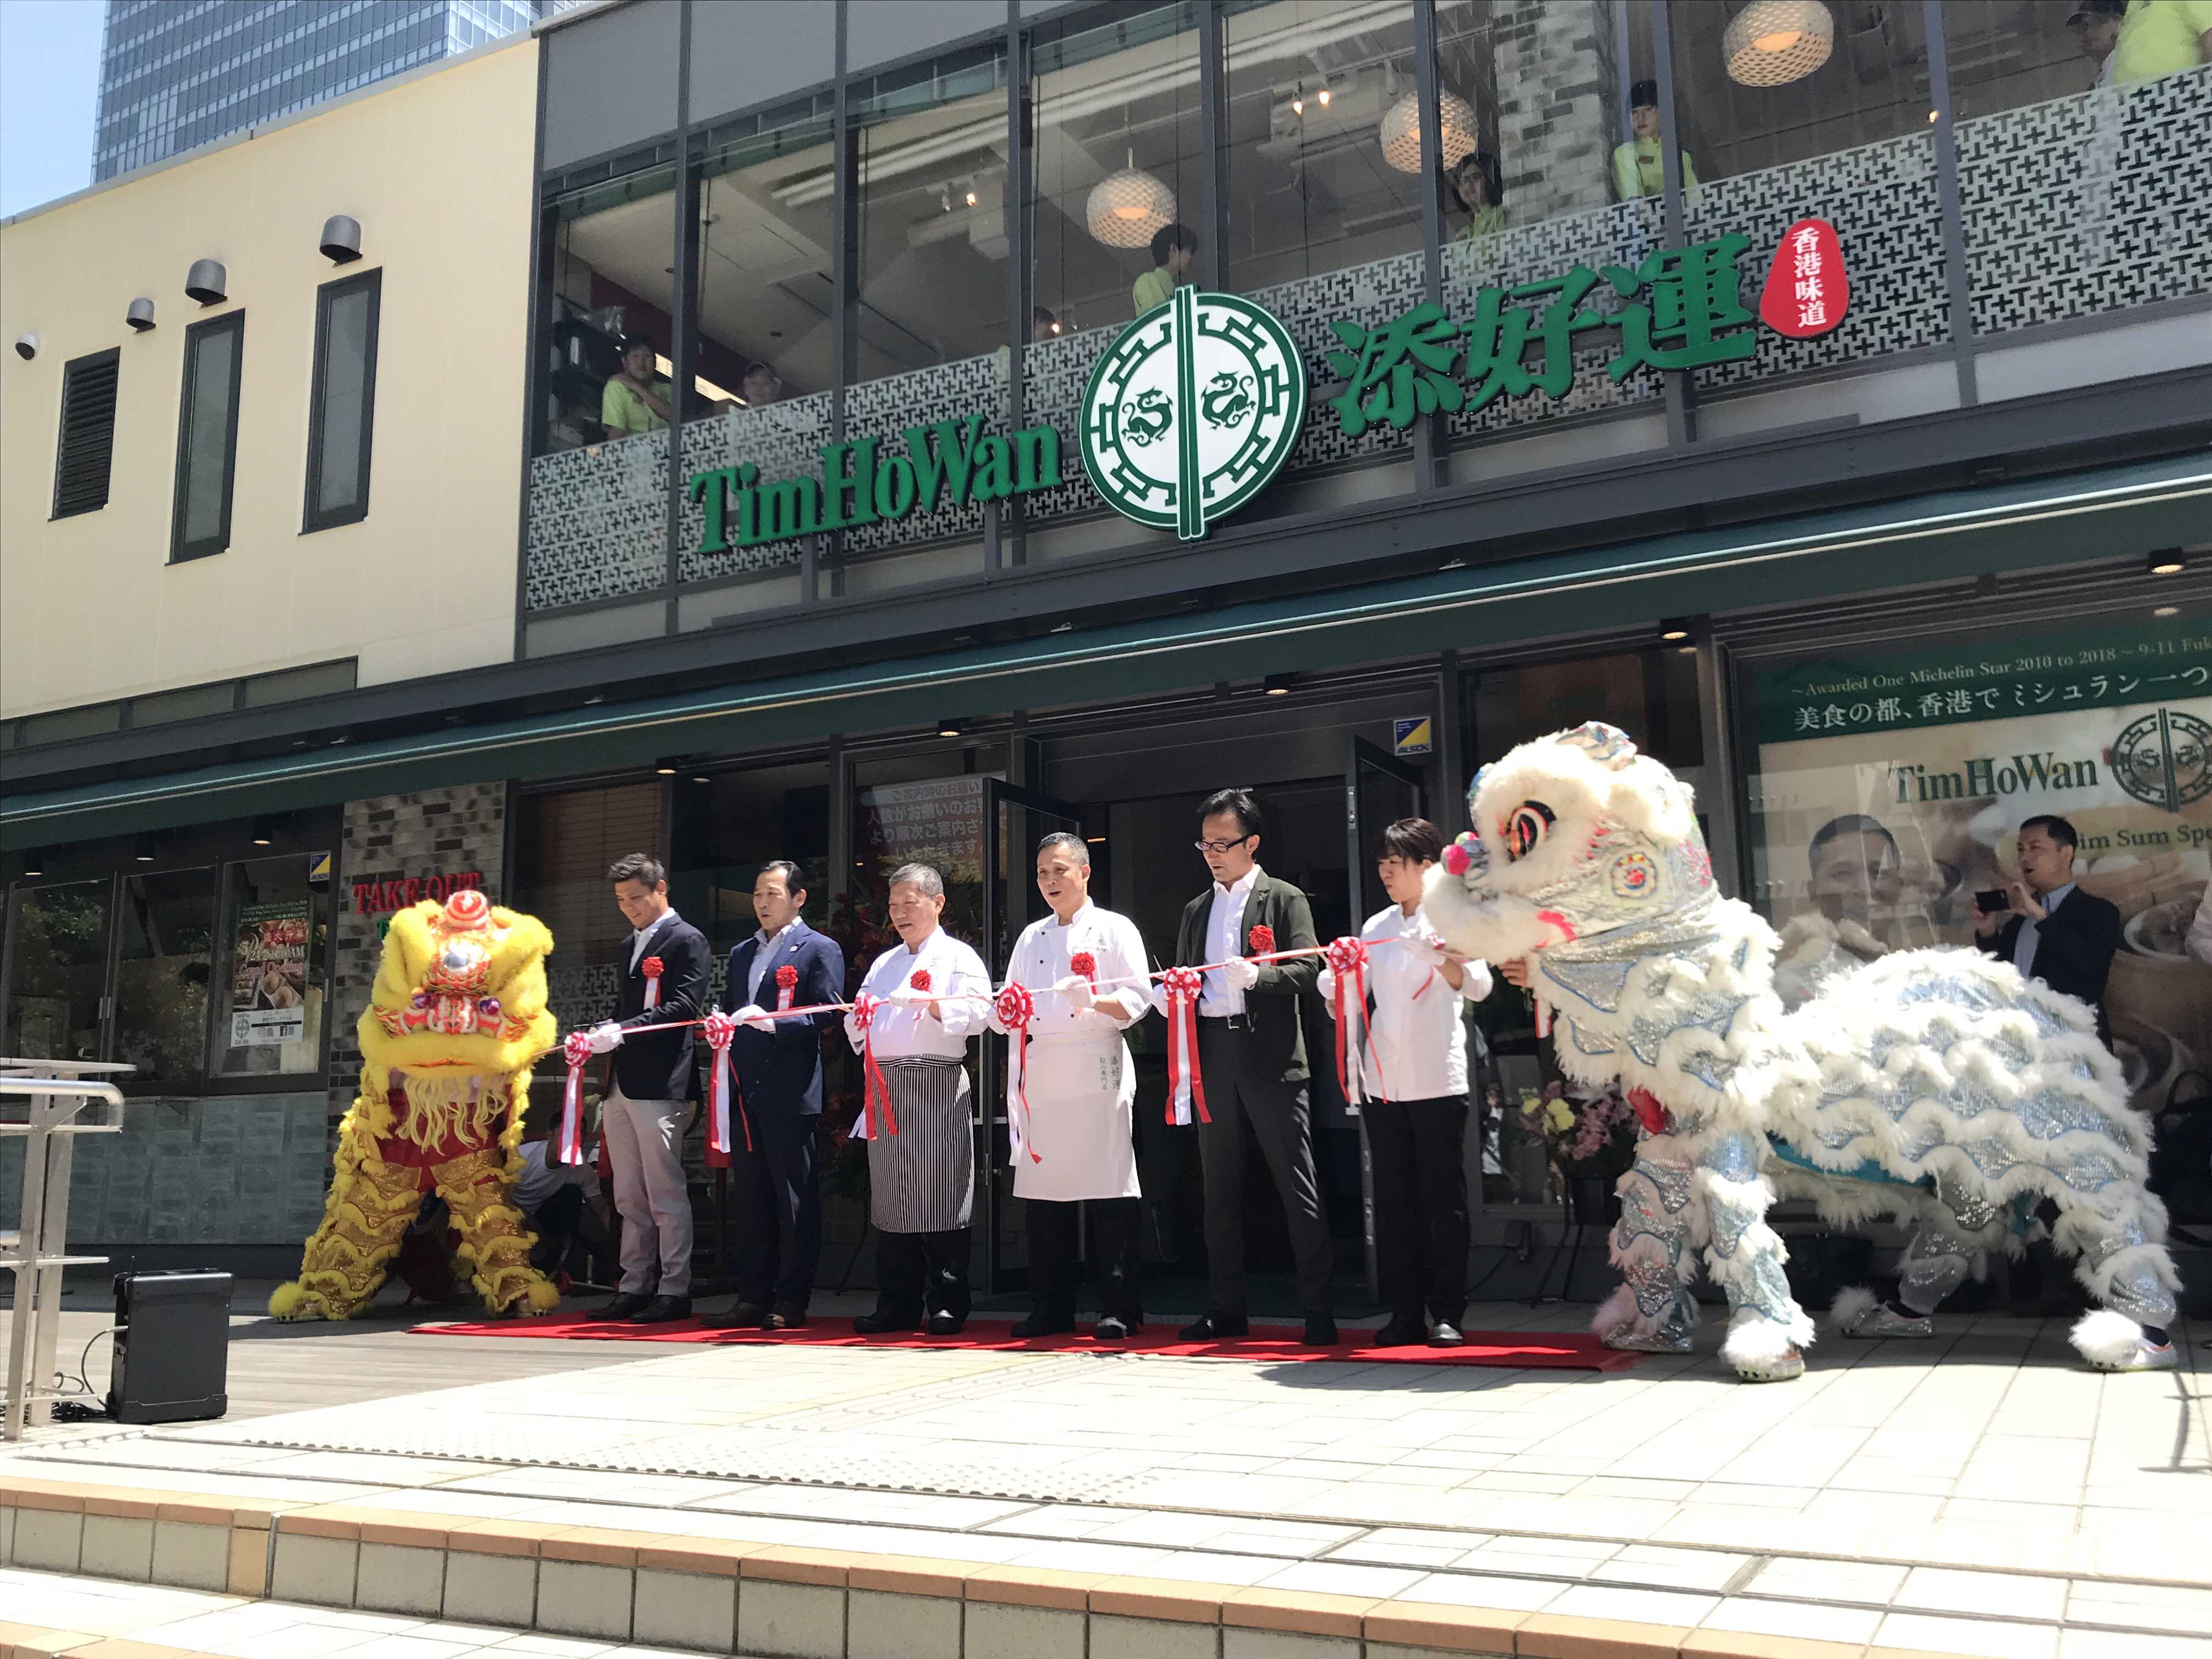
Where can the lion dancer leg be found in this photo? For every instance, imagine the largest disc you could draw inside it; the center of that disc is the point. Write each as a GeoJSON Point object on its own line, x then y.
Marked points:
{"type": "Point", "coordinates": [2125, 1266]}
{"type": "Point", "coordinates": [1655, 1246]}
{"type": "Point", "coordinates": [495, 1242]}
{"type": "Point", "coordinates": [1951, 1232]}
{"type": "Point", "coordinates": [369, 1208]}
{"type": "Point", "coordinates": [1767, 1330]}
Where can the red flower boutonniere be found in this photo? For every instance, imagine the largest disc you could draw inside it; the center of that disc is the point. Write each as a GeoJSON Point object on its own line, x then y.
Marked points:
{"type": "Point", "coordinates": [920, 979]}
{"type": "Point", "coordinates": [1084, 963]}
{"type": "Point", "coordinates": [1262, 940]}
{"type": "Point", "coordinates": [786, 977]}
{"type": "Point", "coordinates": [651, 968]}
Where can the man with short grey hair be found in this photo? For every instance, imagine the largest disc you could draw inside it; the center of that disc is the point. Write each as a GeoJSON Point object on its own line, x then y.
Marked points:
{"type": "Point", "coordinates": [924, 999]}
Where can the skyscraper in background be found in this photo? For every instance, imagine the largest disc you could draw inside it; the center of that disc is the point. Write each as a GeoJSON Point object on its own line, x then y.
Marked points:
{"type": "Point", "coordinates": [177, 73]}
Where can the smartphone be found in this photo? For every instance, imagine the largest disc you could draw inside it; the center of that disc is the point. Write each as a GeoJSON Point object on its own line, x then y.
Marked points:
{"type": "Point", "coordinates": [1991, 900]}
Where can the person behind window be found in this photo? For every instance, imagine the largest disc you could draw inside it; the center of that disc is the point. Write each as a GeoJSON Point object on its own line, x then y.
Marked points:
{"type": "Point", "coordinates": [2160, 37]}
{"type": "Point", "coordinates": [1638, 167]}
{"type": "Point", "coordinates": [637, 398]}
{"type": "Point", "coordinates": [761, 386]}
{"type": "Point", "coordinates": [1174, 248]}
{"type": "Point", "coordinates": [1480, 188]}
{"type": "Point", "coordinates": [2049, 928]}
{"type": "Point", "coordinates": [2096, 26]}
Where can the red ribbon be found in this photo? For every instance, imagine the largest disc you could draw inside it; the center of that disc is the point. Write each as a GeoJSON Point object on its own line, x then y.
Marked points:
{"type": "Point", "coordinates": [1348, 962]}
{"type": "Point", "coordinates": [1649, 1112]}
{"type": "Point", "coordinates": [568, 1144]}
{"type": "Point", "coordinates": [1015, 1008]}
{"type": "Point", "coordinates": [653, 970]}
{"type": "Point", "coordinates": [865, 1006]}
{"type": "Point", "coordinates": [722, 1092]}
{"type": "Point", "coordinates": [1185, 1086]}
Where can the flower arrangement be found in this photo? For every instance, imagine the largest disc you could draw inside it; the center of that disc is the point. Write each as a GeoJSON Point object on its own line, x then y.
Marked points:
{"type": "Point", "coordinates": [1592, 1135]}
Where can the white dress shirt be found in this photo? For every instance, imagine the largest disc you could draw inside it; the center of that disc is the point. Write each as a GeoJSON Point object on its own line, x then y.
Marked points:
{"type": "Point", "coordinates": [906, 1031]}
{"type": "Point", "coordinates": [639, 940]}
{"type": "Point", "coordinates": [2031, 931]}
{"type": "Point", "coordinates": [762, 956]}
{"type": "Point", "coordinates": [1417, 1049]}
{"type": "Point", "coordinates": [1224, 938]}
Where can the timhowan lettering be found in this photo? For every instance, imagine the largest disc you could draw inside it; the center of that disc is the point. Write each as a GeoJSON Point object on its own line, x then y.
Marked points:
{"type": "Point", "coordinates": [1991, 774]}
{"type": "Point", "coordinates": [947, 464]}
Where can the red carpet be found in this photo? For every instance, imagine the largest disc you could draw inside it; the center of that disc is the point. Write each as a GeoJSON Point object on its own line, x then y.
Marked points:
{"type": "Point", "coordinates": [1268, 1344]}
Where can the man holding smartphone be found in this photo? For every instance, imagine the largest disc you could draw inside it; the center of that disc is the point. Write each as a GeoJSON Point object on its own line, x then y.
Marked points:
{"type": "Point", "coordinates": [2048, 927]}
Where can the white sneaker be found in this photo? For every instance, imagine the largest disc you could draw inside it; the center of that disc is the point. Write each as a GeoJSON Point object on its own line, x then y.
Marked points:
{"type": "Point", "coordinates": [2149, 1356]}
{"type": "Point", "coordinates": [1883, 1320]}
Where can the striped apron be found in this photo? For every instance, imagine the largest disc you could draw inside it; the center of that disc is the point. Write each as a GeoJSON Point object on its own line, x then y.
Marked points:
{"type": "Point", "coordinates": [922, 1180]}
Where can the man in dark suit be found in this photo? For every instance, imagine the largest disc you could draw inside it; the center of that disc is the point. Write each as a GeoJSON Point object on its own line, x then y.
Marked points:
{"type": "Point", "coordinates": [656, 1082]}
{"type": "Point", "coordinates": [2050, 929]}
{"type": "Point", "coordinates": [1252, 1062]}
{"type": "Point", "coordinates": [775, 1184]}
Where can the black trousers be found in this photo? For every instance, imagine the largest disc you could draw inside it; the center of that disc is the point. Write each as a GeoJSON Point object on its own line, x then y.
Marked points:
{"type": "Point", "coordinates": [1056, 1275]}
{"type": "Point", "coordinates": [920, 1275]}
{"type": "Point", "coordinates": [776, 1200]}
{"type": "Point", "coordinates": [1244, 1100]}
{"type": "Point", "coordinates": [1420, 1204]}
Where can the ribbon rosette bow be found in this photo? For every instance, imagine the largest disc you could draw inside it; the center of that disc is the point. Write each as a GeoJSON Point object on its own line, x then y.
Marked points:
{"type": "Point", "coordinates": [722, 1090]}
{"type": "Point", "coordinates": [1649, 1112]}
{"type": "Point", "coordinates": [873, 1089]}
{"type": "Point", "coordinates": [786, 982]}
{"type": "Point", "coordinates": [1347, 964]}
{"type": "Point", "coordinates": [651, 968]}
{"type": "Point", "coordinates": [1014, 1008]}
{"type": "Point", "coordinates": [1262, 941]}
{"type": "Point", "coordinates": [568, 1144]}
{"type": "Point", "coordinates": [1185, 1087]}
{"type": "Point", "coordinates": [918, 980]}
{"type": "Point", "coordinates": [1084, 963]}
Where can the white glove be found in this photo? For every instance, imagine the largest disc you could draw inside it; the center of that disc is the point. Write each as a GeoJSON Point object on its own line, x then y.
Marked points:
{"type": "Point", "coordinates": [1242, 973]}
{"type": "Point", "coordinates": [754, 1017]}
{"type": "Point", "coordinates": [1425, 948]}
{"type": "Point", "coordinates": [1076, 992]}
{"type": "Point", "coordinates": [605, 1038]}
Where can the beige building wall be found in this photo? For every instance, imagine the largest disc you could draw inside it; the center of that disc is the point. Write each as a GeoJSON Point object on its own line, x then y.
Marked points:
{"type": "Point", "coordinates": [438, 169]}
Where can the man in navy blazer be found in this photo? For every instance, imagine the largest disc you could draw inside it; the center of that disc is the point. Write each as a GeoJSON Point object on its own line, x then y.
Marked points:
{"type": "Point", "coordinates": [775, 1186]}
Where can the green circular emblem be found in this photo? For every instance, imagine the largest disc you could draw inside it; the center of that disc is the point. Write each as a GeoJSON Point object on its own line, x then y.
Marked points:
{"type": "Point", "coordinates": [1192, 411]}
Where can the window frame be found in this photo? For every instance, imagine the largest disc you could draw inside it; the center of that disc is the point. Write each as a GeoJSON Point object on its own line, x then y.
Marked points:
{"type": "Point", "coordinates": [179, 548]}
{"type": "Point", "coordinates": [74, 366]}
{"type": "Point", "coordinates": [371, 282]}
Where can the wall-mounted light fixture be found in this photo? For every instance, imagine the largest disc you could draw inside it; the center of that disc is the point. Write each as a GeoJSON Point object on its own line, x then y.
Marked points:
{"type": "Point", "coordinates": [665, 766]}
{"type": "Point", "coordinates": [207, 282]}
{"type": "Point", "coordinates": [1277, 685]}
{"type": "Point", "coordinates": [34, 861]}
{"type": "Point", "coordinates": [263, 832]}
{"type": "Point", "coordinates": [2167, 561]}
{"type": "Point", "coordinates": [341, 242]}
{"type": "Point", "coordinates": [1674, 629]}
{"type": "Point", "coordinates": [140, 315]}
{"type": "Point", "coordinates": [143, 849]}
{"type": "Point", "coordinates": [948, 728]}
{"type": "Point", "coordinates": [27, 346]}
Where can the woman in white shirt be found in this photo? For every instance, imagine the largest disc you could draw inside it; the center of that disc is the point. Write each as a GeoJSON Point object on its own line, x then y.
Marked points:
{"type": "Point", "coordinates": [1414, 1076]}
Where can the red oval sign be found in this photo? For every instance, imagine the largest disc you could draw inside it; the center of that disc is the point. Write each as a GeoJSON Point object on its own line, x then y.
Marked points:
{"type": "Point", "coordinates": [1808, 290]}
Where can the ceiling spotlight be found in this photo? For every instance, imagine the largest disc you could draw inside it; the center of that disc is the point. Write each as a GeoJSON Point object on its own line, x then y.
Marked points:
{"type": "Point", "coordinates": [34, 861]}
{"type": "Point", "coordinates": [948, 728]}
{"type": "Point", "coordinates": [207, 282]}
{"type": "Point", "coordinates": [2167, 561]}
{"type": "Point", "coordinates": [2157, 610]}
{"type": "Point", "coordinates": [971, 198]}
{"type": "Point", "coordinates": [1323, 96]}
{"type": "Point", "coordinates": [701, 778]}
{"type": "Point", "coordinates": [1277, 685]}
{"type": "Point", "coordinates": [665, 767]}
{"type": "Point", "coordinates": [1298, 104]}
{"type": "Point", "coordinates": [1675, 627]}
{"type": "Point", "coordinates": [263, 832]}
{"type": "Point", "coordinates": [140, 315]}
{"type": "Point", "coordinates": [143, 849]}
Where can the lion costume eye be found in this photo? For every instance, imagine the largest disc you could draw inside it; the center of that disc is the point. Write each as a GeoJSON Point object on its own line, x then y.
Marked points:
{"type": "Point", "coordinates": [1524, 827]}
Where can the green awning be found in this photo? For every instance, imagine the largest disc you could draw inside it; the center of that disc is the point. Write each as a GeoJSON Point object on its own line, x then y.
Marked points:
{"type": "Point", "coordinates": [2114, 512]}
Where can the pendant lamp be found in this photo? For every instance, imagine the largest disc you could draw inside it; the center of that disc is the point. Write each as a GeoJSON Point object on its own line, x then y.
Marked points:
{"type": "Point", "coordinates": [1401, 131]}
{"type": "Point", "coordinates": [1129, 207]}
{"type": "Point", "coordinates": [1771, 43]}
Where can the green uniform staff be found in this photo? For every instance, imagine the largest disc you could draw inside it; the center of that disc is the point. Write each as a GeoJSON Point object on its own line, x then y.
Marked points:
{"type": "Point", "coordinates": [1174, 248]}
{"type": "Point", "coordinates": [1638, 169]}
{"type": "Point", "coordinates": [1477, 182]}
{"type": "Point", "coordinates": [2162, 36]}
{"type": "Point", "coordinates": [637, 398]}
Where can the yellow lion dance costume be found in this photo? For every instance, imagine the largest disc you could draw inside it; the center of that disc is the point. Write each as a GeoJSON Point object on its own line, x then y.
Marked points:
{"type": "Point", "coordinates": [457, 1019]}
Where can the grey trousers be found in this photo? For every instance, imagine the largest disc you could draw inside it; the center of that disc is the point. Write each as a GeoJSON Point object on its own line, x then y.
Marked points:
{"type": "Point", "coordinates": [645, 1145]}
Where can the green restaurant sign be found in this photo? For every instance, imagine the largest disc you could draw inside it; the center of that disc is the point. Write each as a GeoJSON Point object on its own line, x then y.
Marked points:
{"type": "Point", "coordinates": [1198, 404]}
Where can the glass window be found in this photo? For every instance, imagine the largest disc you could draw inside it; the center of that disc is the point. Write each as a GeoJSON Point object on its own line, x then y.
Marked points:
{"type": "Point", "coordinates": [727, 824]}
{"type": "Point", "coordinates": [56, 971]}
{"type": "Point", "coordinates": [344, 400]}
{"type": "Point", "coordinates": [207, 437]}
{"type": "Point", "coordinates": [269, 1007]}
{"type": "Point", "coordinates": [164, 958]}
{"type": "Point", "coordinates": [564, 844]}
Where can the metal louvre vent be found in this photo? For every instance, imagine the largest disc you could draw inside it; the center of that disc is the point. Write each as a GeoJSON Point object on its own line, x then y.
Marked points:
{"type": "Point", "coordinates": [87, 438]}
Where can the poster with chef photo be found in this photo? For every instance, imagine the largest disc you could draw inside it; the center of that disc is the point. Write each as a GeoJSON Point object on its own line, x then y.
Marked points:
{"type": "Point", "coordinates": [269, 974]}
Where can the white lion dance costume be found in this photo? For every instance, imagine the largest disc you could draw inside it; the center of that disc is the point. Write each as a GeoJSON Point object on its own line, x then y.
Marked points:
{"type": "Point", "coordinates": [1937, 1086]}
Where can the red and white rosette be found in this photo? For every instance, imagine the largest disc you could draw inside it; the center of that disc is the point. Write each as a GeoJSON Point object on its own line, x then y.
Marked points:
{"type": "Point", "coordinates": [1260, 941]}
{"type": "Point", "coordinates": [786, 985]}
{"type": "Point", "coordinates": [1084, 965]}
{"type": "Point", "coordinates": [651, 968]}
{"type": "Point", "coordinates": [1347, 964]}
{"type": "Point", "coordinates": [1014, 1008]}
{"type": "Point", "coordinates": [874, 1090]}
{"type": "Point", "coordinates": [722, 1097]}
{"type": "Point", "coordinates": [568, 1144]}
{"type": "Point", "coordinates": [1186, 1088]}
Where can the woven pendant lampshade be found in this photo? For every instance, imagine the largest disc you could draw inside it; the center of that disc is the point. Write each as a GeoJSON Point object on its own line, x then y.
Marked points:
{"type": "Point", "coordinates": [1401, 131]}
{"type": "Point", "coordinates": [1771, 43]}
{"type": "Point", "coordinates": [1127, 209]}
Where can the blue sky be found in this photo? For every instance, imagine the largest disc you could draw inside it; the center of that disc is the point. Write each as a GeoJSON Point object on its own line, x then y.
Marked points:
{"type": "Point", "coordinates": [49, 96]}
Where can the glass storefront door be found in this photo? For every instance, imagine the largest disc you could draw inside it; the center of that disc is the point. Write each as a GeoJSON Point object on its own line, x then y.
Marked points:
{"type": "Point", "coordinates": [58, 972]}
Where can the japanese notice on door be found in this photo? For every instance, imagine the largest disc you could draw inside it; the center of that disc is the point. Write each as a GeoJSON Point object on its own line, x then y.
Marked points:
{"type": "Point", "coordinates": [269, 974]}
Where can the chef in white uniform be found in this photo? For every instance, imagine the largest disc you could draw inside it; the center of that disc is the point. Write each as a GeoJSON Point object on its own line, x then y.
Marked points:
{"type": "Point", "coordinates": [1084, 968]}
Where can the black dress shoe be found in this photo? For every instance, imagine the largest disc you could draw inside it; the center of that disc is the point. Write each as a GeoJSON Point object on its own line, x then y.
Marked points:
{"type": "Point", "coordinates": [1446, 1335]}
{"type": "Point", "coordinates": [663, 1310]}
{"type": "Point", "coordinates": [788, 1316]}
{"type": "Point", "coordinates": [945, 1324]}
{"type": "Point", "coordinates": [880, 1323]}
{"type": "Point", "coordinates": [1214, 1328]}
{"type": "Point", "coordinates": [1041, 1325]}
{"type": "Point", "coordinates": [741, 1316]}
{"type": "Point", "coordinates": [1400, 1333]}
{"type": "Point", "coordinates": [1112, 1329]}
{"type": "Point", "coordinates": [1321, 1332]}
{"type": "Point", "coordinates": [621, 1307]}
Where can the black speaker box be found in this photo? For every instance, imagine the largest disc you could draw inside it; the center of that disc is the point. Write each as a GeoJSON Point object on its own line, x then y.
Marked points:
{"type": "Point", "coordinates": [171, 1346]}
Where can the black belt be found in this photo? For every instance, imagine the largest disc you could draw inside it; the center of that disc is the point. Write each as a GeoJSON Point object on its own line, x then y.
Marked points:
{"type": "Point", "coordinates": [1229, 1021]}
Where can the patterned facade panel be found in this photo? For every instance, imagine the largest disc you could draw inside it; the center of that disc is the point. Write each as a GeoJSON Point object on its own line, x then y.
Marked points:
{"type": "Point", "coordinates": [2088, 204]}
{"type": "Point", "coordinates": [1619, 234]}
{"type": "Point", "coordinates": [598, 522]}
{"type": "Point", "coordinates": [1054, 375]}
{"type": "Point", "coordinates": [582, 995]}
{"type": "Point", "coordinates": [1360, 293]}
{"type": "Point", "coordinates": [1881, 199]}
{"type": "Point", "coordinates": [783, 440]}
{"type": "Point", "coordinates": [943, 392]}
